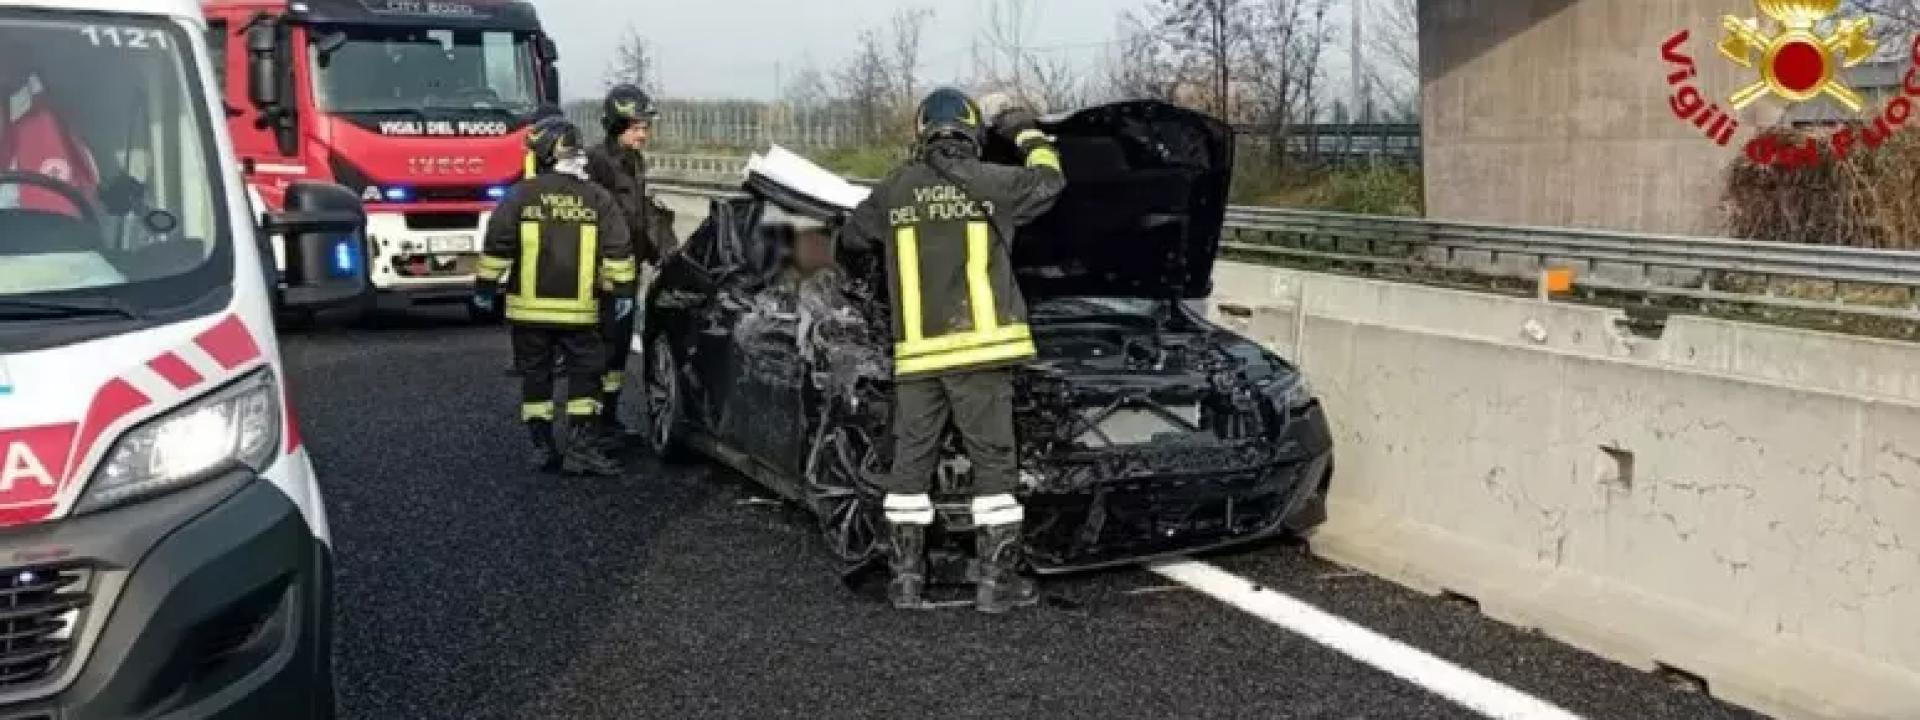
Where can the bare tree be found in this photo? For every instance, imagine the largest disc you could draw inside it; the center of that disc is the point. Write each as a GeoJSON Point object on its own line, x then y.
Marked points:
{"type": "Point", "coordinates": [1141, 64]}
{"type": "Point", "coordinates": [807, 88]}
{"type": "Point", "coordinates": [1891, 18]}
{"type": "Point", "coordinates": [1285, 52]}
{"type": "Point", "coordinates": [909, 24]}
{"type": "Point", "coordinates": [1215, 32]}
{"type": "Point", "coordinates": [1394, 70]}
{"type": "Point", "coordinates": [633, 63]}
{"type": "Point", "coordinates": [867, 84]}
{"type": "Point", "coordinates": [1004, 61]}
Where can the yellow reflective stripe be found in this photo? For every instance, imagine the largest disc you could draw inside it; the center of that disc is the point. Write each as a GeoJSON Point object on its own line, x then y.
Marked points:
{"type": "Point", "coordinates": [965, 358]}
{"type": "Point", "coordinates": [611, 381]}
{"type": "Point", "coordinates": [578, 407]}
{"type": "Point", "coordinates": [536, 411]}
{"type": "Point", "coordinates": [491, 268]}
{"type": "Point", "coordinates": [1045, 157]}
{"type": "Point", "coordinates": [979, 286]}
{"type": "Point", "coordinates": [907, 244]}
{"type": "Point", "coordinates": [1026, 135]}
{"type": "Point", "coordinates": [529, 258]}
{"type": "Point", "coordinates": [962, 341]}
{"type": "Point", "coordinates": [551, 317]}
{"type": "Point", "coordinates": [529, 165]}
{"type": "Point", "coordinates": [619, 271]}
{"type": "Point", "coordinates": [589, 251]}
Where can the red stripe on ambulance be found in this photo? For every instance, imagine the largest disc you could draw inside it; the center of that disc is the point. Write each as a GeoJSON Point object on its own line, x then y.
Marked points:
{"type": "Point", "coordinates": [115, 401]}
{"type": "Point", "coordinates": [175, 370]}
{"type": "Point", "coordinates": [33, 461]}
{"type": "Point", "coordinates": [229, 343]}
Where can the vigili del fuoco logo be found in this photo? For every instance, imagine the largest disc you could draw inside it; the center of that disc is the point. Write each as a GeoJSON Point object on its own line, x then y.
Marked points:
{"type": "Point", "coordinates": [1798, 59]}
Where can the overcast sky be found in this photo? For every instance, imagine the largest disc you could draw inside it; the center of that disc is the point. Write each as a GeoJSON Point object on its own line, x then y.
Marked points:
{"type": "Point", "coordinates": [733, 48]}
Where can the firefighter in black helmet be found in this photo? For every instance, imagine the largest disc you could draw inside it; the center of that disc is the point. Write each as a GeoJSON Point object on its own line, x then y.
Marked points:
{"type": "Point", "coordinates": [565, 241]}
{"type": "Point", "coordinates": [619, 165]}
{"type": "Point", "coordinates": [946, 221]}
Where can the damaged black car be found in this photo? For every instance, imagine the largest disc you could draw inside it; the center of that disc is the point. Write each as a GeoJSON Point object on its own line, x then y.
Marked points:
{"type": "Point", "coordinates": [1144, 430]}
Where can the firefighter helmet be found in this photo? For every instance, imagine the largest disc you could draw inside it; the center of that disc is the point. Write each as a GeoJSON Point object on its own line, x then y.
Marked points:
{"type": "Point", "coordinates": [553, 140]}
{"type": "Point", "coordinates": [948, 112]}
{"type": "Point", "coordinates": [625, 105]}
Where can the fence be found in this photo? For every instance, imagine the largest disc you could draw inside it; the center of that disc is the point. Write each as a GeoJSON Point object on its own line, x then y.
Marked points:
{"type": "Point", "coordinates": [1855, 281]}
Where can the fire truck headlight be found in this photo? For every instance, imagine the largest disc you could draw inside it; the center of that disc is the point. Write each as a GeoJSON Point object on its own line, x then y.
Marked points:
{"type": "Point", "coordinates": [235, 427]}
{"type": "Point", "coordinates": [398, 194]}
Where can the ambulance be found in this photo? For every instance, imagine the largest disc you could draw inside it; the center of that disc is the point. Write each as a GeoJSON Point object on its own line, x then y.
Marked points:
{"type": "Point", "coordinates": [164, 549]}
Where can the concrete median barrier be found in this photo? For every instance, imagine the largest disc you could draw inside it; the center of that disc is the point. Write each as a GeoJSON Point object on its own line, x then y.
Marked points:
{"type": "Point", "coordinates": [1736, 503]}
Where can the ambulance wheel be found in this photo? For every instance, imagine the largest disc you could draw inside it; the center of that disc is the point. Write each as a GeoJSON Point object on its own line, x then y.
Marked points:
{"type": "Point", "coordinates": [665, 400]}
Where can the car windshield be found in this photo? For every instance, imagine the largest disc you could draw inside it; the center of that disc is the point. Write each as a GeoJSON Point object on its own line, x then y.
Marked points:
{"type": "Point", "coordinates": [109, 194]}
{"type": "Point", "coordinates": [386, 69]}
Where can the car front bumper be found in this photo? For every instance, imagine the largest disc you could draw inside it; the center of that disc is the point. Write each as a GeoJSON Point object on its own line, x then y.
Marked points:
{"type": "Point", "coordinates": [212, 602]}
{"type": "Point", "coordinates": [1132, 506]}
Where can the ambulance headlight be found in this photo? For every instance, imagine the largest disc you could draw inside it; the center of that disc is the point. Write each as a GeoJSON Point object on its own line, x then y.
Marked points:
{"type": "Point", "coordinates": [235, 427]}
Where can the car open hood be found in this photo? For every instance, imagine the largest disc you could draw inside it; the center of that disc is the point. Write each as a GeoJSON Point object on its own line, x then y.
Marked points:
{"type": "Point", "coordinates": [1141, 217]}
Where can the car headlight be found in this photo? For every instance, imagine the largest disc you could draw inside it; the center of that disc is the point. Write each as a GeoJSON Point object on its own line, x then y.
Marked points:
{"type": "Point", "coordinates": [236, 426]}
{"type": "Point", "coordinates": [1295, 396]}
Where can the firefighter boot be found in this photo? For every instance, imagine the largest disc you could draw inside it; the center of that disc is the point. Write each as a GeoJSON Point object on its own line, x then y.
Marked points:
{"type": "Point", "coordinates": [546, 455]}
{"type": "Point", "coordinates": [583, 454]}
{"type": "Point", "coordinates": [1001, 588]}
{"type": "Point", "coordinates": [907, 559]}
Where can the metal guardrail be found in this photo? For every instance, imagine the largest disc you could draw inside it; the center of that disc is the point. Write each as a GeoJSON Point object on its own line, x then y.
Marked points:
{"type": "Point", "coordinates": [1884, 283]}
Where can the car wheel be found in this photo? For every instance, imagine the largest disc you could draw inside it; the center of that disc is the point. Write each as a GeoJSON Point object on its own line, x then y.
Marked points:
{"type": "Point", "coordinates": [845, 505]}
{"type": "Point", "coordinates": [665, 401]}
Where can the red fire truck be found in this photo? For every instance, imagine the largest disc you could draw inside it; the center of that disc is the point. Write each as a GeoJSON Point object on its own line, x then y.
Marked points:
{"type": "Point", "coordinates": [417, 106]}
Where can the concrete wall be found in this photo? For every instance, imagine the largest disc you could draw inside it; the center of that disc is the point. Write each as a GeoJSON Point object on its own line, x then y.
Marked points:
{"type": "Point", "coordinates": [1555, 112]}
{"type": "Point", "coordinates": [1737, 502]}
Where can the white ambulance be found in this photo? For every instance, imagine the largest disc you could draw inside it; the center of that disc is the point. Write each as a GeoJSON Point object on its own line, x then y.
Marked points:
{"type": "Point", "coordinates": [163, 545]}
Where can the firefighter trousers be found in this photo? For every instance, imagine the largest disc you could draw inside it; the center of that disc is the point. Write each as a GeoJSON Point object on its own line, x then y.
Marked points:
{"type": "Point", "coordinates": [582, 359]}
{"type": "Point", "coordinates": [980, 406]}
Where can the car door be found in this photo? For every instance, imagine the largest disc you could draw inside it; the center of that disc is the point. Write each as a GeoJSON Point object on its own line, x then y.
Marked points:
{"type": "Point", "coordinates": [761, 410]}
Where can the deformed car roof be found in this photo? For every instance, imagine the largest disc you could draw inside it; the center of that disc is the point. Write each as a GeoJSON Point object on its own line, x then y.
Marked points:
{"type": "Point", "coordinates": [1146, 197]}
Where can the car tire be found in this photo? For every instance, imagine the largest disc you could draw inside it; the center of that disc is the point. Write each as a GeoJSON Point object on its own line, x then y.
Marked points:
{"type": "Point", "coordinates": [665, 400]}
{"type": "Point", "coordinates": [845, 505]}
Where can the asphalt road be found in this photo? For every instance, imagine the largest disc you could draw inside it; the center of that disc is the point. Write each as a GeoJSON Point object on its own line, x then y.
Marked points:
{"type": "Point", "coordinates": [471, 587]}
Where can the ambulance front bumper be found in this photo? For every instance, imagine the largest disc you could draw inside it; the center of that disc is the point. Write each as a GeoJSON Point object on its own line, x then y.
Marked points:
{"type": "Point", "coordinates": [212, 602]}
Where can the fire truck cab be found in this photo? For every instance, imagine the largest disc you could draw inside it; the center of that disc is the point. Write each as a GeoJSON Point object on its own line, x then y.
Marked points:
{"type": "Point", "coordinates": [419, 107]}
{"type": "Point", "coordinates": [164, 547]}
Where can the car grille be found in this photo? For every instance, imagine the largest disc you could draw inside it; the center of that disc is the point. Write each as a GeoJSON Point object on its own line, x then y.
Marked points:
{"type": "Point", "coordinates": [39, 608]}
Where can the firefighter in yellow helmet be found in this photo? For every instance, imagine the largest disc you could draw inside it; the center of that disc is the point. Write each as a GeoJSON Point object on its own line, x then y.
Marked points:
{"type": "Point", "coordinates": [946, 221]}
{"type": "Point", "coordinates": [565, 241]}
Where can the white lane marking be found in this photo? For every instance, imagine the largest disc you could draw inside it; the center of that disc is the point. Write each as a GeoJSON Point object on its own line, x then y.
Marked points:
{"type": "Point", "coordinates": [1438, 676]}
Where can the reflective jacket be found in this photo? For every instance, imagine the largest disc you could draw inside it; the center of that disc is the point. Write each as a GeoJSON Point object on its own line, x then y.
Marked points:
{"type": "Point", "coordinates": [564, 238]}
{"type": "Point", "coordinates": [947, 224]}
{"type": "Point", "coordinates": [623, 173]}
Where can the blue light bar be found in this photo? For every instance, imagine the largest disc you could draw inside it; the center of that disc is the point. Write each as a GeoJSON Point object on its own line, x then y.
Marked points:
{"type": "Point", "coordinates": [496, 192]}
{"type": "Point", "coordinates": [398, 194]}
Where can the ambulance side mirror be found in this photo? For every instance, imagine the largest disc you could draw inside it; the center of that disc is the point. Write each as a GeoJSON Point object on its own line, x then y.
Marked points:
{"type": "Point", "coordinates": [323, 230]}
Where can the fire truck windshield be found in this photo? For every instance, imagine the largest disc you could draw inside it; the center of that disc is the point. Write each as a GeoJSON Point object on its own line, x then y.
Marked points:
{"type": "Point", "coordinates": [110, 196]}
{"type": "Point", "coordinates": [389, 69]}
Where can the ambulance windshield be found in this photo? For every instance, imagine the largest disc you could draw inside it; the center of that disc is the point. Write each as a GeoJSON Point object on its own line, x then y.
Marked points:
{"type": "Point", "coordinates": [109, 191]}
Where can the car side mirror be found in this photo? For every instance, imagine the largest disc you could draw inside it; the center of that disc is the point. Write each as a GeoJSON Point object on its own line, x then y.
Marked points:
{"type": "Point", "coordinates": [326, 261]}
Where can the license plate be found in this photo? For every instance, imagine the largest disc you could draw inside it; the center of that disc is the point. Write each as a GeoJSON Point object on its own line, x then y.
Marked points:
{"type": "Point", "coordinates": [450, 244]}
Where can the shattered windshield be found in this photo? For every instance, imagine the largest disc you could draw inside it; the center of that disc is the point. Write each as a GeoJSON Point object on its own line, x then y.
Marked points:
{"type": "Point", "coordinates": [109, 197]}
{"type": "Point", "coordinates": [386, 69]}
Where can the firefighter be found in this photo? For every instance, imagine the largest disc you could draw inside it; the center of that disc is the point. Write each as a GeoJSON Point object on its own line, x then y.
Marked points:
{"type": "Point", "coordinates": [946, 221]}
{"type": "Point", "coordinates": [619, 166]}
{"type": "Point", "coordinates": [564, 240]}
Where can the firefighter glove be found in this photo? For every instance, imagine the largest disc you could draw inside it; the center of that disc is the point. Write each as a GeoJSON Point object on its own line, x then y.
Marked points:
{"type": "Point", "coordinates": [1015, 121]}
{"type": "Point", "coordinates": [623, 307]}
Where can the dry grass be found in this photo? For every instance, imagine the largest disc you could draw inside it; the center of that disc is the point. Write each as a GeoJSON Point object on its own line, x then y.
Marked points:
{"type": "Point", "coordinates": [1870, 199]}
